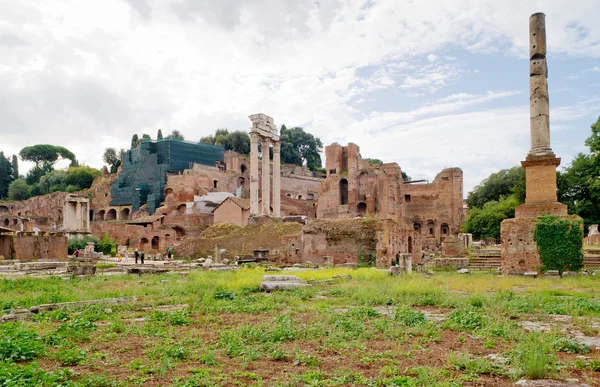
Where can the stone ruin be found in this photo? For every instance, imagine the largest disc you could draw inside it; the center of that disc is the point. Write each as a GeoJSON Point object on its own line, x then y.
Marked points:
{"type": "Point", "coordinates": [519, 252]}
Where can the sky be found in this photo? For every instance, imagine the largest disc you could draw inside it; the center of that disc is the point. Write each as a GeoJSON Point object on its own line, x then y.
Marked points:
{"type": "Point", "coordinates": [428, 84]}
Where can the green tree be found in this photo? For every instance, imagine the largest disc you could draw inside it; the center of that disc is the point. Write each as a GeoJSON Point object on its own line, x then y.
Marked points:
{"type": "Point", "coordinates": [53, 181]}
{"type": "Point", "coordinates": [112, 158]}
{"type": "Point", "coordinates": [18, 190]}
{"type": "Point", "coordinates": [238, 141]}
{"type": "Point", "coordinates": [81, 177]}
{"type": "Point", "coordinates": [485, 222]}
{"type": "Point", "coordinates": [374, 161]}
{"type": "Point", "coordinates": [159, 135]}
{"type": "Point", "coordinates": [146, 137]}
{"type": "Point", "coordinates": [500, 184]}
{"type": "Point", "coordinates": [405, 177]}
{"type": "Point", "coordinates": [15, 167]}
{"type": "Point", "coordinates": [6, 175]}
{"type": "Point", "coordinates": [45, 156]}
{"type": "Point", "coordinates": [135, 141]}
{"type": "Point", "coordinates": [176, 134]}
{"type": "Point", "coordinates": [299, 147]}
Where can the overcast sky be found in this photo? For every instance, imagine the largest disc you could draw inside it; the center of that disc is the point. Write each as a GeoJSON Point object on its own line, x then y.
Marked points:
{"type": "Point", "coordinates": [425, 83]}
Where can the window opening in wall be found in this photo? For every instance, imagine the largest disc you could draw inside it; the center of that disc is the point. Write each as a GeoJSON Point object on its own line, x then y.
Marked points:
{"type": "Point", "coordinates": [214, 183]}
{"type": "Point", "coordinates": [410, 245]}
{"type": "Point", "coordinates": [407, 198]}
{"type": "Point", "coordinates": [361, 209]}
{"type": "Point", "coordinates": [431, 231]}
{"type": "Point", "coordinates": [343, 191]}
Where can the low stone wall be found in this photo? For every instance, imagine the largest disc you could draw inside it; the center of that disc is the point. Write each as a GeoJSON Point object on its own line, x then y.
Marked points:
{"type": "Point", "coordinates": [28, 247]}
{"type": "Point", "coordinates": [449, 263]}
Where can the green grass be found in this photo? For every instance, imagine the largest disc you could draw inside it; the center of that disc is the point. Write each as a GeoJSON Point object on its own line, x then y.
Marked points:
{"type": "Point", "coordinates": [372, 330]}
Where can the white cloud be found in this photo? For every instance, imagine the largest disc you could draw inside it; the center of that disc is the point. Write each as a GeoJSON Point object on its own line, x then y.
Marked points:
{"type": "Point", "coordinates": [88, 75]}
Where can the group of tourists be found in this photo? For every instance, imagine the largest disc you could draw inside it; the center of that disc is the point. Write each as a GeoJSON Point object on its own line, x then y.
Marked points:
{"type": "Point", "coordinates": [139, 255]}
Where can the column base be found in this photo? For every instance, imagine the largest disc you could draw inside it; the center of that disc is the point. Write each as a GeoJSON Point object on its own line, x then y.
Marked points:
{"type": "Point", "coordinates": [540, 176]}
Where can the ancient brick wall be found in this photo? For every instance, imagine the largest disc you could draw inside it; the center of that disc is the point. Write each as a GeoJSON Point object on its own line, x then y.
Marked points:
{"type": "Point", "coordinates": [436, 209]}
{"type": "Point", "coordinates": [346, 240]}
{"type": "Point", "coordinates": [28, 247]}
{"type": "Point", "coordinates": [354, 187]}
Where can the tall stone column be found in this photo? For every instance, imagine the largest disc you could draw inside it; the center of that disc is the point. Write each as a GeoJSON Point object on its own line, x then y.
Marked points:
{"type": "Point", "coordinates": [277, 178]}
{"type": "Point", "coordinates": [254, 177]}
{"type": "Point", "coordinates": [266, 177]}
{"type": "Point", "coordinates": [538, 87]}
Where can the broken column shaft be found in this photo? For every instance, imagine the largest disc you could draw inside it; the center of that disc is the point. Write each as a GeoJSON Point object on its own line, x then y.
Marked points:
{"type": "Point", "coordinates": [538, 87]}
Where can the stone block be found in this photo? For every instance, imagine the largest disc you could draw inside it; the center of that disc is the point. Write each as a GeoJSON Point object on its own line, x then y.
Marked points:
{"type": "Point", "coordinates": [552, 273]}
{"type": "Point", "coordinates": [537, 35]}
{"type": "Point", "coordinates": [281, 278]}
{"type": "Point", "coordinates": [532, 274]}
{"type": "Point", "coordinates": [538, 67]}
{"type": "Point", "coordinates": [463, 271]}
{"type": "Point", "coordinates": [284, 285]}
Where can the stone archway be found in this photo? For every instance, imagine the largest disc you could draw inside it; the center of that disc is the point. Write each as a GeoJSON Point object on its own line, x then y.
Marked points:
{"type": "Point", "coordinates": [361, 209]}
{"type": "Point", "coordinates": [111, 214]}
{"type": "Point", "coordinates": [124, 214]}
{"type": "Point", "coordinates": [444, 230]}
{"type": "Point", "coordinates": [100, 215]}
{"type": "Point", "coordinates": [155, 243]}
{"type": "Point", "coordinates": [181, 209]}
{"type": "Point", "coordinates": [143, 244]}
{"type": "Point", "coordinates": [430, 228]}
{"type": "Point", "coordinates": [168, 191]}
{"type": "Point", "coordinates": [6, 222]}
{"type": "Point", "coordinates": [179, 231]}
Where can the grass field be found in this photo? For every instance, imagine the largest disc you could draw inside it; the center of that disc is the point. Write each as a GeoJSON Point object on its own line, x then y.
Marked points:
{"type": "Point", "coordinates": [216, 329]}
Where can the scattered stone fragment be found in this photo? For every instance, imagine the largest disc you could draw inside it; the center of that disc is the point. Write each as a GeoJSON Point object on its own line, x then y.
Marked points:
{"type": "Point", "coordinates": [552, 273]}
{"type": "Point", "coordinates": [549, 383]}
{"type": "Point", "coordinates": [532, 274]}
{"type": "Point", "coordinates": [463, 271]}
{"type": "Point", "coordinates": [207, 263]}
{"type": "Point", "coordinates": [395, 270]}
{"type": "Point", "coordinates": [281, 282]}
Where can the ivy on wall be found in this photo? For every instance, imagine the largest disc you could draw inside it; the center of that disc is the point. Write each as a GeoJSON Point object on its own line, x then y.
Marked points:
{"type": "Point", "coordinates": [559, 241]}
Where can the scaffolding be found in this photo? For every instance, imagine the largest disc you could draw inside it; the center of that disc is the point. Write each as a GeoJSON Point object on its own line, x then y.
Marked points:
{"type": "Point", "coordinates": [144, 170]}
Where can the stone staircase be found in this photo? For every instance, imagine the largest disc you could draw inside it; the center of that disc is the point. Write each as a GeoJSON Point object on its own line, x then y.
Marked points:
{"type": "Point", "coordinates": [485, 260]}
{"type": "Point", "coordinates": [591, 258]}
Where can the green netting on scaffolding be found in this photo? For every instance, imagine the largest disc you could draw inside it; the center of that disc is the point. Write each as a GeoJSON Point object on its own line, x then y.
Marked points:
{"type": "Point", "coordinates": [145, 169]}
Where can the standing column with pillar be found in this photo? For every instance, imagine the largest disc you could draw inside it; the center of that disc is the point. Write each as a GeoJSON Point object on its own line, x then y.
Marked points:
{"type": "Point", "coordinates": [266, 177]}
{"type": "Point", "coordinates": [264, 129]}
{"type": "Point", "coordinates": [254, 177]}
{"type": "Point", "coordinates": [277, 179]}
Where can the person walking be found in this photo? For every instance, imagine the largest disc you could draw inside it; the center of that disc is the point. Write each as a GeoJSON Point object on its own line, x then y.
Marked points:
{"type": "Point", "coordinates": [76, 254]}
{"type": "Point", "coordinates": [142, 257]}
{"type": "Point", "coordinates": [136, 255]}
{"type": "Point", "coordinates": [169, 253]}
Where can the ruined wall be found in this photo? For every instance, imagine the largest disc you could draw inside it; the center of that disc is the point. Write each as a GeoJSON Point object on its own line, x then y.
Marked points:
{"type": "Point", "coordinates": [354, 187]}
{"type": "Point", "coordinates": [348, 239]}
{"type": "Point", "coordinates": [47, 213]}
{"type": "Point", "coordinates": [291, 207]}
{"type": "Point", "coordinates": [28, 247]}
{"type": "Point", "coordinates": [301, 187]}
{"type": "Point", "coordinates": [436, 209]}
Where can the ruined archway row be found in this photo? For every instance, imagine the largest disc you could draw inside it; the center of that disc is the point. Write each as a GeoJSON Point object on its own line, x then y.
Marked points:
{"type": "Point", "coordinates": [111, 213]}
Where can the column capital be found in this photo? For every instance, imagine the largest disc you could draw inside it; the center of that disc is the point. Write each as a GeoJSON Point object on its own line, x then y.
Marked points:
{"type": "Point", "coordinates": [254, 137]}
{"type": "Point", "coordinates": [266, 140]}
{"type": "Point", "coordinates": [276, 146]}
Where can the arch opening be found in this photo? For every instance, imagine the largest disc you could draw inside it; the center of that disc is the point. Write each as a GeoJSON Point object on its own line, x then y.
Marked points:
{"type": "Point", "coordinates": [111, 214]}
{"type": "Point", "coordinates": [143, 244]}
{"type": "Point", "coordinates": [124, 214]}
{"type": "Point", "coordinates": [361, 209]}
{"type": "Point", "coordinates": [343, 191]}
{"type": "Point", "coordinates": [155, 242]}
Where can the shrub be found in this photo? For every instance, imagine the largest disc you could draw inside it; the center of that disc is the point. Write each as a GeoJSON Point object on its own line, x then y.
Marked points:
{"type": "Point", "coordinates": [18, 343]}
{"type": "Point", "coordinates": [409, 317]}
{"type": "Point", "coordinates": [559, 242]}
{"type": "Point", "coordinates": [465, 320]}
{"type": "Point", "coordinates": [534, 357]}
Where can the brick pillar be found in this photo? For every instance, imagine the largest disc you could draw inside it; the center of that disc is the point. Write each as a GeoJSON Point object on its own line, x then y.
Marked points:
{"type": "Point", "coordinates": [254, 178]}
{"type": "Point", "coordinates": [266, 177]}
{"type": "Point", "coordinates": [277, 178]}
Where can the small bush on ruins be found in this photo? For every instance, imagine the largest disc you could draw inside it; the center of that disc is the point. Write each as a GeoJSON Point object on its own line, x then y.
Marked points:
{"type": "Point", "coordinates": [559, 242]}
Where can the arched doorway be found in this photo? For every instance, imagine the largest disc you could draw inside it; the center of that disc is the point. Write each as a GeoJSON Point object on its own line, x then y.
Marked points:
{"type": "Point", "coordinates": [417, 227]}
{"type": "Point", "coordinates": [124, 214]}
{"type": "Point", "coordinates": [181, 209]}
{"type": "Point", "coordinates": [168, 191]}
{"type": "Point", "coordinates": [179, 231]}
{"type": "Point", "coordinates": [6, 222]}
{"type": "Point", "coordinates": [243, 168]}
{"type": "Point", "coordinates": [444, 230]}
{"type": "Point", "coordinates": [430, 228]}
{"type": "Point", "coordinates": [111, 214]}
{"type": "Point", "coordinates": [100, 215]}
{"type": "Point", "coordinates": [91, 215]}
{"type": "Point", "coordinates": [300, 197]}
{"type": "Point", "coordinates": [155, 242]}
{"type": "Point", "coordinates": [3, 209]}
{"type": "Point", "coordinates": [143, 244]}
{"type": "Point", "coordinates": [361, 209]}
{"type": "Point", "coordinates": [343, 191]}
